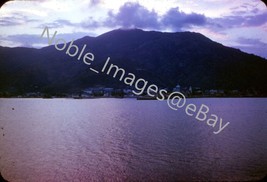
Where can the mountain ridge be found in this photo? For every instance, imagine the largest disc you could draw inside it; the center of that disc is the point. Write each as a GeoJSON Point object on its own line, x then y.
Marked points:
{"type": "Point", "coordinates": [166, 59]}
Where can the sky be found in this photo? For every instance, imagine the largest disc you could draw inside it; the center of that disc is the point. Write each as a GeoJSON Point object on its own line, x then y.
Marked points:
{"type": "Point", "coordinates": [234, 23]}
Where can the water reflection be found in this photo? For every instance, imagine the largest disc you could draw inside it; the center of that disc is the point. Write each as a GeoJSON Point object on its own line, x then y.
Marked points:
{"type": "Point", "coordinates": [129, 140]}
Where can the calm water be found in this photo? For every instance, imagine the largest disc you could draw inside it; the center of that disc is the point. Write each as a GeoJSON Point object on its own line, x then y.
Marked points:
{"type": "Point", "coordinates": [130, 140]}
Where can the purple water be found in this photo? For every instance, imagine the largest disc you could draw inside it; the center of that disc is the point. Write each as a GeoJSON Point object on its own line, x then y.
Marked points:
{"type": "Point", "coordinates": [130, 140]}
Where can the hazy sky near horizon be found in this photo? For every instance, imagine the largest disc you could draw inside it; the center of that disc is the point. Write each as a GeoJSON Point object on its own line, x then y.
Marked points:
{"type": "Point", "coordinates": [235, 23]}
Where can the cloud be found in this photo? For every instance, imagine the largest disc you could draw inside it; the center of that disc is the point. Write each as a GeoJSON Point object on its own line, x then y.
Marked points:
{"type": "Point", "coordinates": [255, 46]}
{"type": "Point", "coordinates": [60, 23]}
{"type": "Point", "coordinates": [238, 21]}
{"type": "Point", "coordinates": [33, 40]}
{"type": "Point", "coordinates": [177, 19]}
{"type": "Point", "coordinates": [256, 20]}
{"type": "Point", "coordinates": [21, 40]}
{"type": "Point", "coordinates": [94, 2]}
{"type": "Point", "coordinates": [16, 19]}
{"type": "Point", "coordinates": [244, 9]}
{"type": "Point", "coordinates": [248, 41]}
{"type": "Point", "coordinates": [99, 16]}
{"type": "Point", "coordinates": [133, 15]}
{"type": "Point", "coordinates": [90, 23]}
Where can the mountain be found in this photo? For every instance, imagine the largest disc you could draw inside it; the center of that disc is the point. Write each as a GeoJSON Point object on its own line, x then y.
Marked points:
{"type": "Point", "coordinates": [165, 59]}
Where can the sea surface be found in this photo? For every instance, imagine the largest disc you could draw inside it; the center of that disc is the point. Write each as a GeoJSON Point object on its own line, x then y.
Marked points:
{"type": "Point", "coordinates": [131, 140]}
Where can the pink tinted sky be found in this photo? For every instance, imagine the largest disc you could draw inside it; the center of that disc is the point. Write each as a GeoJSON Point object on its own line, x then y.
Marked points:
{"type": "Point", "coordinates": [240, 24]}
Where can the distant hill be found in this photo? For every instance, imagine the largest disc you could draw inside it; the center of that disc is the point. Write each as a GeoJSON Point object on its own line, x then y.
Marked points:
{"type": "Point", "coordinates": [166, 59]}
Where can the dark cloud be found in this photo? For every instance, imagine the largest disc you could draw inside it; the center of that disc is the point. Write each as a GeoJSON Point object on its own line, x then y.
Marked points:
{"type": "Point", "coordinates": [25, 40]}
{"type": "Point", "coordinates": [247, 41]}
{"type": "Point", "coordinates": [177, 20]}
{"type": "Point", "coordinates": [255, 46]}
{"type": "Point", "coordinates": [239, 21]}
{"type": "Point", "coordinates": [256, 20]}
{"type": "Point", "coordinates": [31, 40]}
{"type": "Point", "coordinates": [133, 15]}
